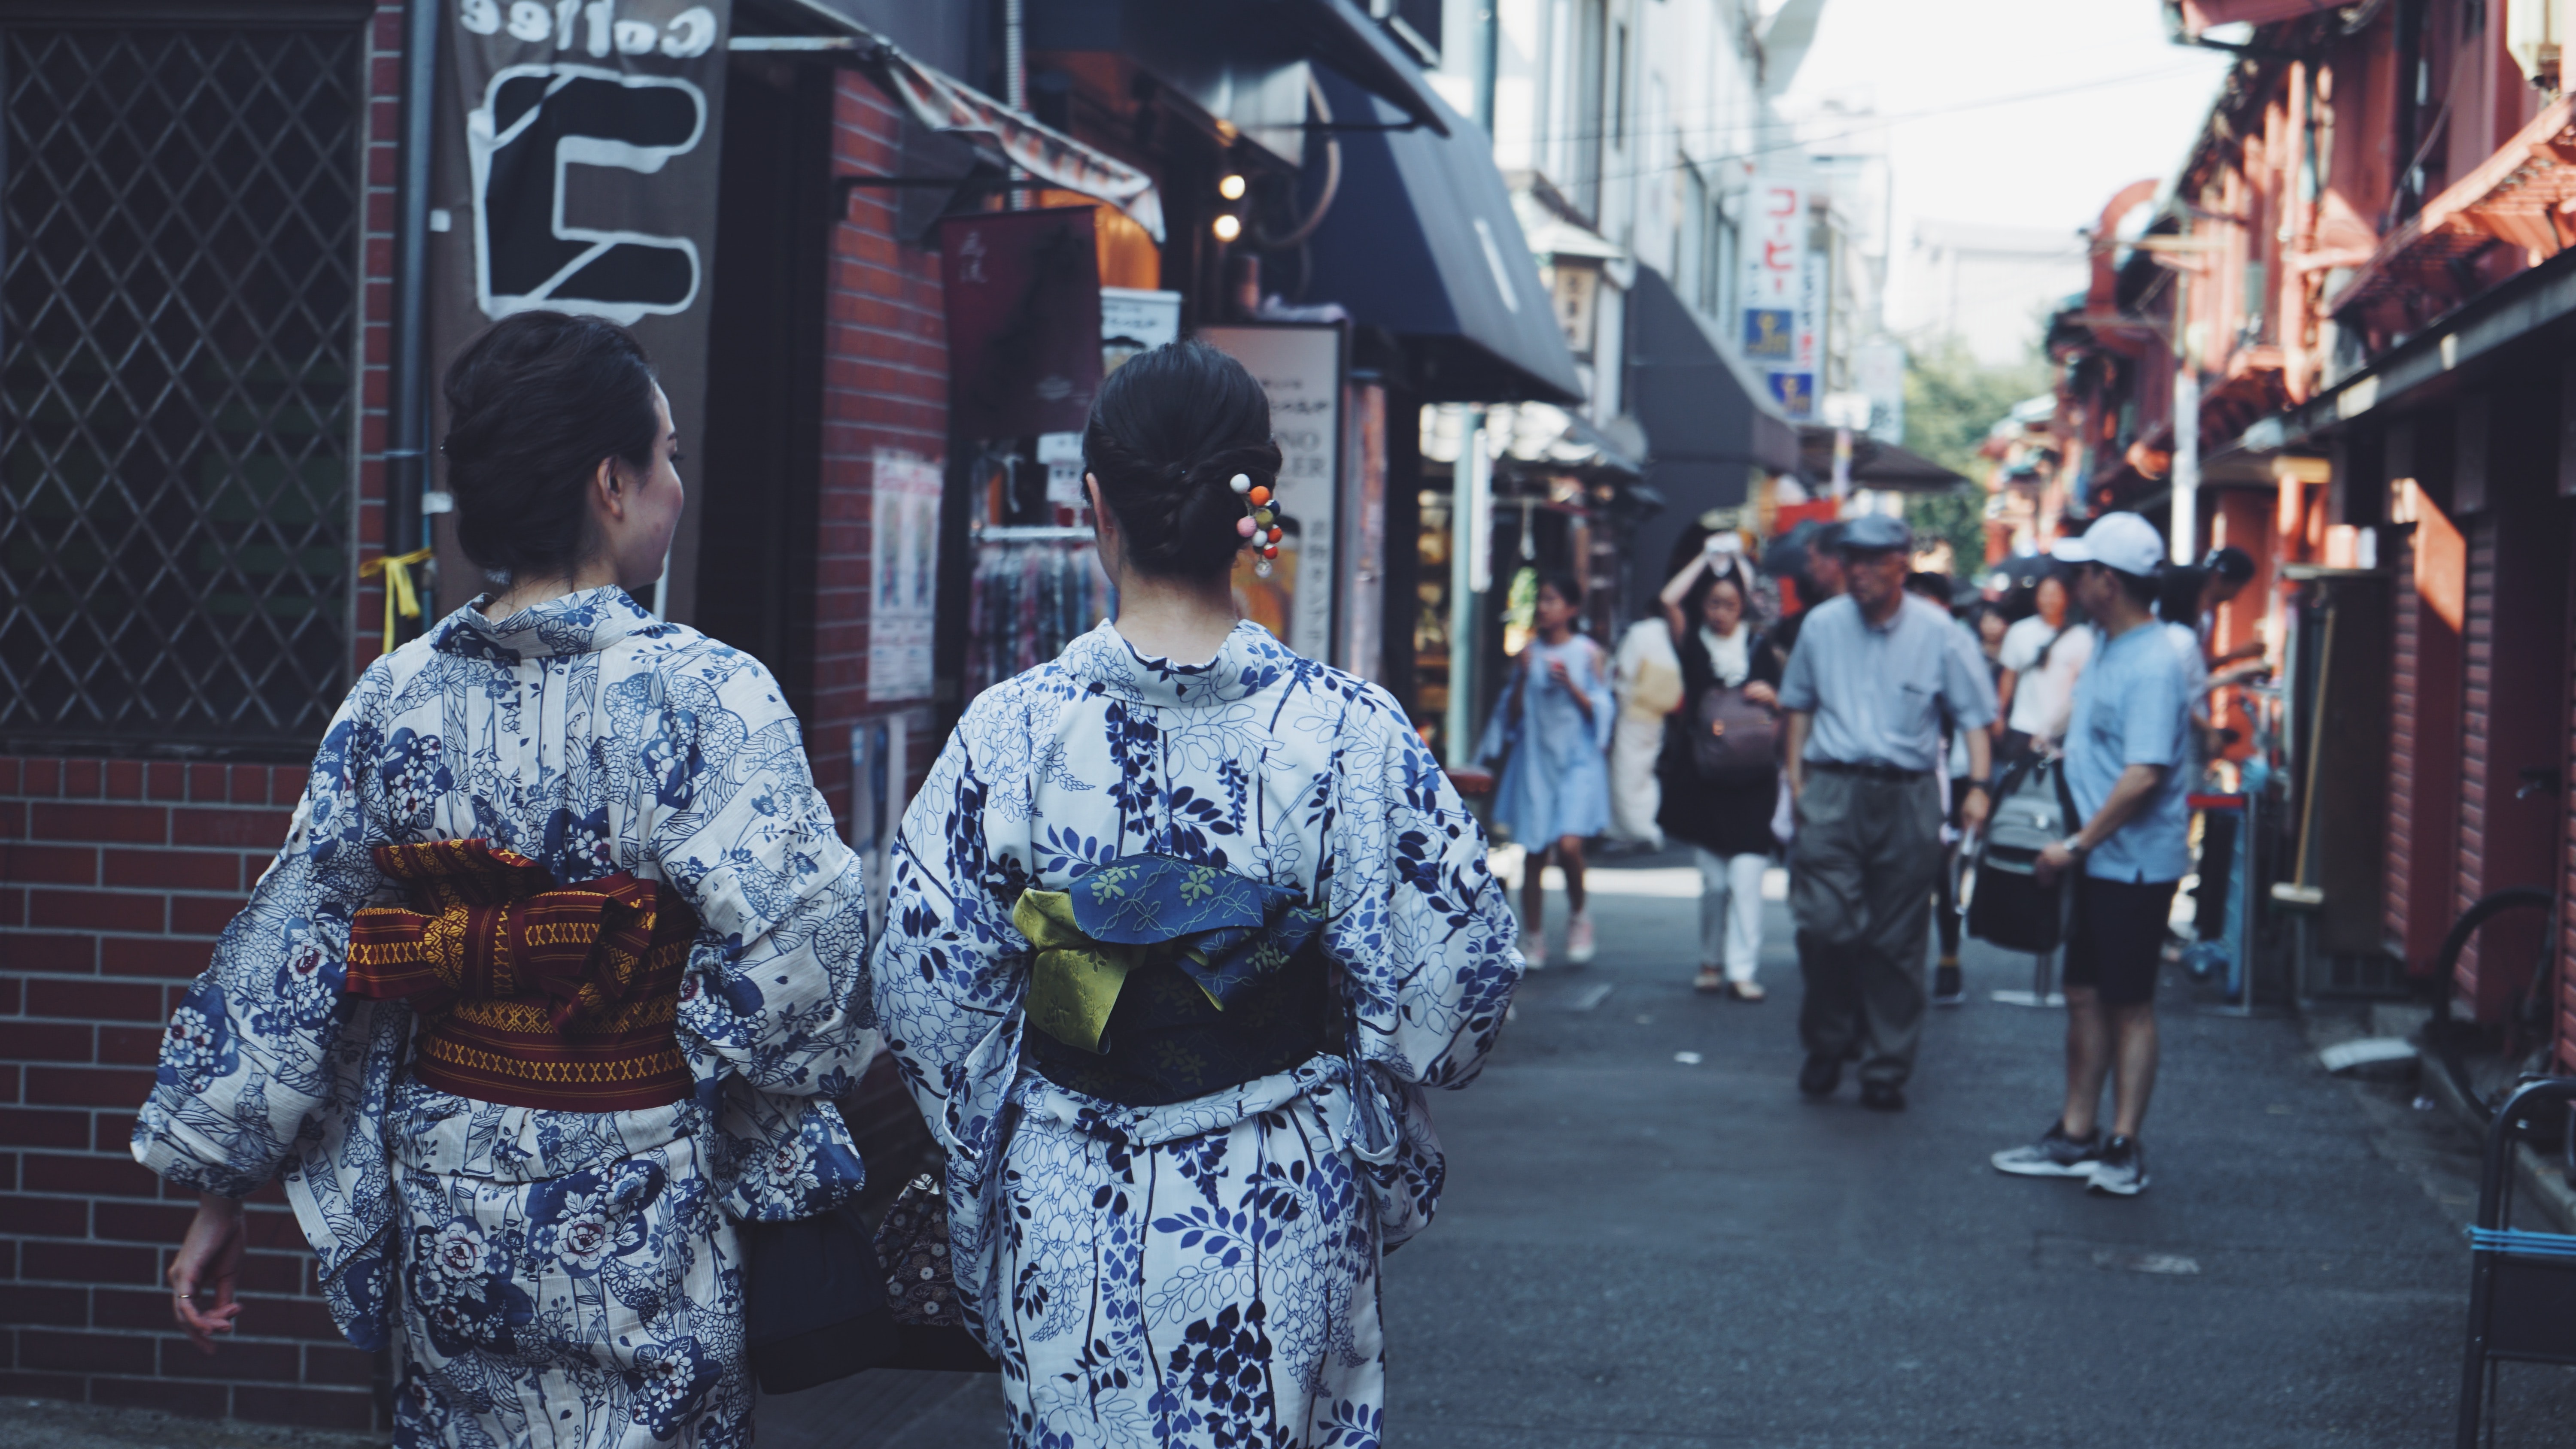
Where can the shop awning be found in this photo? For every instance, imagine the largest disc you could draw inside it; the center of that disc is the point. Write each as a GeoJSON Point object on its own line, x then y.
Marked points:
{"type": "Point", "coordinates": [1874, 464]}
{"type": "Point", "coordinates": [950, 106]}
{"type": "Point", "coordinates": [1339, 35]}
{"type": "Point", "coordinates": [2200, 15]}
{"type": "Point", "coordinates": [1420, 240]}
{"type": "Point", "coordinates": [1708, 424]}
{"type": "Point", "coordinates": [1552, 439]}
{"type": "Point", "coordinates": [2517, 196]}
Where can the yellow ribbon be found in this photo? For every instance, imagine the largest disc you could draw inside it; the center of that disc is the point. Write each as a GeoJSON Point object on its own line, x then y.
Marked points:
{"type": "Point", "coordinates": [399, 595]}
{"type": "Point", "coordinates": [1076, 979]}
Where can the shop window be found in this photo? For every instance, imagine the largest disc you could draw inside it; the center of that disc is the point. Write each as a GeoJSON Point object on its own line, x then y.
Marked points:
{"type": "Point", "coordinates": [179, 214]}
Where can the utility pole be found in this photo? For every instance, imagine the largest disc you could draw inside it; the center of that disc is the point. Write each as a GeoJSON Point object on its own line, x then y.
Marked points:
{"type": "Point", "coordinates": [2184, 524]}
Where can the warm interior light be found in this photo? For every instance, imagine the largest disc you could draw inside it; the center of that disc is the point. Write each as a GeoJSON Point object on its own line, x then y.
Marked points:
{"type": "Point", "coordinates": [1231, 188]}
{"type": "Point", "coordinates": [1228, 227]}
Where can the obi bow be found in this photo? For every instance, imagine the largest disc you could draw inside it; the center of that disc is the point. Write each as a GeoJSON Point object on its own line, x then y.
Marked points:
{"type": "Point", "coordinates": [1222, 930]}
{"type": "Point", "coordinates": [487, 924]}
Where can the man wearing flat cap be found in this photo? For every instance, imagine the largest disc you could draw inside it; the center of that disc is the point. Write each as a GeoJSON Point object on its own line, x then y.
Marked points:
{"type": "Point", "coordinates": [1867, 686]}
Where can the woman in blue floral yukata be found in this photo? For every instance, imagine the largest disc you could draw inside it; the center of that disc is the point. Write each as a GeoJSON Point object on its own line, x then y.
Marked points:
{"type": "Point", "coordinates": [545, 991]}
{"type": "Point", "coordinates": [1181, 927]}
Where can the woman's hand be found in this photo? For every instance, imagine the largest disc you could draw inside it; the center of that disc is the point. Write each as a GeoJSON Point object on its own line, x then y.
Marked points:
{"type": "Point", "coordinates": [201, 1277]}
{"type": "Point", "coordinates": [1761, 693]}
{"type": "Point", "coordinates": [1557, 671]}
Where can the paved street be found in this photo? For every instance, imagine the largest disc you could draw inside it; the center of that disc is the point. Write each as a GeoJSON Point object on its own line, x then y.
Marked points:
{"type": "Point", "coordinates": [1635, 1251]}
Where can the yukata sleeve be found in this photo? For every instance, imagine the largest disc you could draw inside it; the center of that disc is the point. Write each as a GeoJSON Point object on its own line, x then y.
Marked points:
{"type": "Point", "coordinates": [950, 970]}
{"type": "Point", "coordinates": [253, 1055]}
{"type": "Point", "coordinates": [774, 1010]}
{"type": "Point", "coordinates": [1424, 940]}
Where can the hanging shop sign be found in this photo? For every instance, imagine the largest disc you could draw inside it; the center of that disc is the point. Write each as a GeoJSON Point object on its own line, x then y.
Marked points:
{"type": "Point", "coordinates": [576, 170]}
{"type": "Point", "coordinates": [1300, 365]}
{"type": "Point", "coordinates": [1022, 290]}
{"type": "Point", "coordinates": [1782, 286]}
{"type": "Point", "coordinates": [903, 575]}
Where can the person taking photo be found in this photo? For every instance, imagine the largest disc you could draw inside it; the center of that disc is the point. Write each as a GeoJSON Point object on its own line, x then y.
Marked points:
{"type": "Point", "coordinates": [1720, 793]}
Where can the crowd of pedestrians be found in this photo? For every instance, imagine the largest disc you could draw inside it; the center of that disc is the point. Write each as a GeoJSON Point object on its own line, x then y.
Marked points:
{"type": "Point", "coordinates": [1860, 741]}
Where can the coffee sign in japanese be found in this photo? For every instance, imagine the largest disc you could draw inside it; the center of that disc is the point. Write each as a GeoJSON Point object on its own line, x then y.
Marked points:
{"type": "Point", "coordinates": [1782, 302]}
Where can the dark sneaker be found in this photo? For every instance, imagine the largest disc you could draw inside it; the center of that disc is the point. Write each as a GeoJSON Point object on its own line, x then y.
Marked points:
{"type": "Point", "coordinates": [2054, 1155]}
{"type": "Point", "coordinates": [2122, 1172]}
{"type": "Point", "coordinates": [1822, 1073]}
{"type": "Point", "coordinates": [1882, 1096]}
{"type": "Point", "coordinates": [1947, 988]}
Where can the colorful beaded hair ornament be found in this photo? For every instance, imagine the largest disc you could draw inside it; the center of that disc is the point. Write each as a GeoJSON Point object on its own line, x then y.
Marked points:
{"type": "Point", "coordinates": [1258, 524]}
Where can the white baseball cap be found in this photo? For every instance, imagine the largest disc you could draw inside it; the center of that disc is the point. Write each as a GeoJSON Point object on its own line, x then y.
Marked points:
{"type": "Point", "coordinates": [2122, 541]}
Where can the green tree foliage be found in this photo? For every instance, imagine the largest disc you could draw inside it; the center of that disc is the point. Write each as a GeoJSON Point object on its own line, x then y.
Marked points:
{"type": "Point", "coordinates": [1951, 401]}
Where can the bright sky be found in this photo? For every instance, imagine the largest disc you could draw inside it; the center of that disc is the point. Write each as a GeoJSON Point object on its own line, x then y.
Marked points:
{"type": "Point", "coordinates": [2012, 112]}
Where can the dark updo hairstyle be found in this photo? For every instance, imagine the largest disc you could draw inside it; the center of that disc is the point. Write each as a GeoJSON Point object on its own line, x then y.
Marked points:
{"type": "Point", "coordinates": [1168, 432]}
{"type": "Point", "coordinates": [533, 407]}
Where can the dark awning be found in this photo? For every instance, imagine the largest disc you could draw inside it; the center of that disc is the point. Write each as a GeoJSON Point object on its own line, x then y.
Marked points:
{"type": "Point", "coordinates": [1708, 424]}
{"type": "Point", "coordinates": [1421, 241]}
{"type": "Point", "coordinates": [1351, 43]}
{"type": "Point", "coordinates": [1874, 464]}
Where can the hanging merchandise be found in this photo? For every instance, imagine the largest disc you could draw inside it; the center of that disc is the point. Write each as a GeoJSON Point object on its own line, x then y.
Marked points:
{"type": "Point", "coordinates": [1033, 591]}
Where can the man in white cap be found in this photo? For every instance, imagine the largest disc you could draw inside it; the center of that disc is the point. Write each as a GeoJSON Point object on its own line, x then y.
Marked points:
{"type": "Point", "coordinates": [2127, 746]}
{"type": "Point", "coordinates": [1865, 690]}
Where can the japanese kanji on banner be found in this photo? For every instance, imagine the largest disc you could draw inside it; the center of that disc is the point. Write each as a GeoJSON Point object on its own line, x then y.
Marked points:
{"type": "Point", "coordinates": [1782, 288]}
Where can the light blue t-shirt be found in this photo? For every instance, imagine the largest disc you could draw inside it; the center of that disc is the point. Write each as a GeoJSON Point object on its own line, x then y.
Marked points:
{"type": "Point", "coordinates": [2131, 708]}
{"type": "Point", "coordinates": [1877, 690]}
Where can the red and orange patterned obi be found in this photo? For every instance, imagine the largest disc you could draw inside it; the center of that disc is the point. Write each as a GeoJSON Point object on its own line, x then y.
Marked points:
{"type": "Point", "coordinates": [530, 994]}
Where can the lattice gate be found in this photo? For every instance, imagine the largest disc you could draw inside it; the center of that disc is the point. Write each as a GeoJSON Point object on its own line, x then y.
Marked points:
{"type": "Point", "coordinates": [180, 215]}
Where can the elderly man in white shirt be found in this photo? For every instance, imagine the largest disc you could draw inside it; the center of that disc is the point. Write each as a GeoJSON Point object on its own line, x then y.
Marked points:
{"type": "Point", "coordinates": [1865, 692]}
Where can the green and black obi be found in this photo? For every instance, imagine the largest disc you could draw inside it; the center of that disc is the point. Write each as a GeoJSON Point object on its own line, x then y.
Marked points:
{"type": "Point", "coordinates": [1158, 980]}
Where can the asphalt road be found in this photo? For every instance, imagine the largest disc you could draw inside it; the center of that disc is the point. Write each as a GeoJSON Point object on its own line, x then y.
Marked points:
{"type": "Point", "coordinates": [1639, 1251]}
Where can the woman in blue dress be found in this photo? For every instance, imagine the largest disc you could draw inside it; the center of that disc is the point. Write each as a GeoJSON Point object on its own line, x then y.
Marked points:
{"type": "Point", "coordinates": [1555, 718]}
{"type": "Point", "coordinates": [1181, 929]}
{"type": "Point", "coordinates": [549, 984]}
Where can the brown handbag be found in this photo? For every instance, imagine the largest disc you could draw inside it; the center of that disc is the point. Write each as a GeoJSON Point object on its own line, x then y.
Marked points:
{"type": "Point", "coordinates": [1734, 741]}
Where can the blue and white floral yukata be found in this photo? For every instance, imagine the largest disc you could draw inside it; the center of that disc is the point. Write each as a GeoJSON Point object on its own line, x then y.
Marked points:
{"type": "Point", "coordinates": [556, 1278]}
{"type": "Point", "coordinates": [1203, 1272]}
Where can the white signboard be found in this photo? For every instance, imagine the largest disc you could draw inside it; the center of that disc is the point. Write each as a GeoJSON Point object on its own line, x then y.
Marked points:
{"type": "Point", "coordinates": [1300, 366]}
{"type": "Point", "coordinates": [1782, 302]}
{"type": "Point", "coordinates": [903, 576]}
{"type": "Point", "coordinates": [1147, 319]}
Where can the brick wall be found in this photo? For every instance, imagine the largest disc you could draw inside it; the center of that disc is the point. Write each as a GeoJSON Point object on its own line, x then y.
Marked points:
{"type": "Point", "coordinates": [2477, 680]}
{"type": "Point", "coordinates": [115, 877]}
{"type": "Point", "coordinates": [885, 386]}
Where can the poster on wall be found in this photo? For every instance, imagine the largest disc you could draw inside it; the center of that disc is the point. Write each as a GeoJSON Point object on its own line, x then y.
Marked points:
{"type": "Point", "coordinates": [1782, 286]}
{"type": "Point", "coordinates": [576, 170]}
{"type": "Point", "coordinates": [903, 576]}
{"type": "Point", "coordinates": [1300, 366]}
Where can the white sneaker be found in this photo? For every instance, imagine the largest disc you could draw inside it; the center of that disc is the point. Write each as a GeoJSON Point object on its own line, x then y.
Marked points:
{"type": "Point", "coordinates": [1533, 951]}
{"type": "Point", "coordinates": [1578, 939]}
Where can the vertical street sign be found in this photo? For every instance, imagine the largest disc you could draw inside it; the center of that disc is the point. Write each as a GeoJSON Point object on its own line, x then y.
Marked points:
{"type": "Point", "coordinates": [1782, 294]}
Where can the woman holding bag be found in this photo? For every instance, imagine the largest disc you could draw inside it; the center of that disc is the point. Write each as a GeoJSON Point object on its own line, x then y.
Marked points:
{"type": "Point", "coordinates": [1720, 792]}
{"type": "Point", "coordinates": [545, 993]}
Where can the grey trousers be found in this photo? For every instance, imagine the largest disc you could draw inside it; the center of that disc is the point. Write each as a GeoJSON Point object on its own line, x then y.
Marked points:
{"type": "Point", "coordinates": [1861, 873]}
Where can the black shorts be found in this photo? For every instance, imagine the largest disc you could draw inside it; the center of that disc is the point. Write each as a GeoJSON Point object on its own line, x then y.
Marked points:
{"type": "Point", "coordinates": [2119, 938]}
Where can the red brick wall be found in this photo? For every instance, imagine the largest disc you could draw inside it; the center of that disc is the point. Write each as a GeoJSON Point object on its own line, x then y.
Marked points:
{"type": "Point", "coordinates": [885, 385]}
{"type": "Point", "coordinates": [115, 877]}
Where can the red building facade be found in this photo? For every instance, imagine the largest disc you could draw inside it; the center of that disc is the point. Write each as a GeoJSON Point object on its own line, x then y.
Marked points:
{"type": "Point", "coordinates": [2363, 264]}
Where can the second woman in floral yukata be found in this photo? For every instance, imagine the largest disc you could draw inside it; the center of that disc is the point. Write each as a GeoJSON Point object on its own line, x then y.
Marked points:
{"type": "Point", "coordinates": [1181, 927]}
{"type": "Point", "coordinates": [546, 987]}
